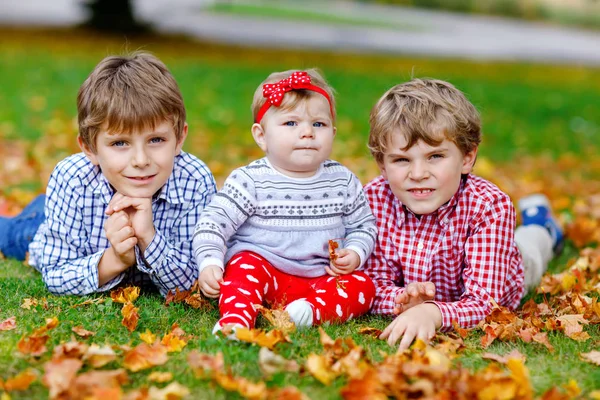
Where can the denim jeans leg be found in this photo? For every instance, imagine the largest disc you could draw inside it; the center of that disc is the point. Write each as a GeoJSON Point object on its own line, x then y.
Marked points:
{"type": "Point", "coordinates": [19, 231]}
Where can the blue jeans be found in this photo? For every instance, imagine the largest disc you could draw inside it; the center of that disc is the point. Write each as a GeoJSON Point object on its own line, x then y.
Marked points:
{"type": "Point", "coordinates": [17, 232]}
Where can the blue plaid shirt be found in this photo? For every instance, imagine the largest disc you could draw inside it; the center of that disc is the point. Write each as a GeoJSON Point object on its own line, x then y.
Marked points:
{"type": "Point", "coordinates": [69, 244]}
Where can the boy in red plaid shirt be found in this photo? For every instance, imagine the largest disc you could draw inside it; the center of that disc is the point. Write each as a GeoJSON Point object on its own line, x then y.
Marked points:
{"type": "Point", "coordinates": [446, 244]}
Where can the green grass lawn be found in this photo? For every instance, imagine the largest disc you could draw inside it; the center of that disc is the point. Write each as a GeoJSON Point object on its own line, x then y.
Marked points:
{"type": "Point", "coordinates": [526, 110]}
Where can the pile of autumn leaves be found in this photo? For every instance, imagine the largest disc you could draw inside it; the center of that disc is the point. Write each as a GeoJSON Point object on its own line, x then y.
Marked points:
{"type": "Point", "coordinates": [74, 370]}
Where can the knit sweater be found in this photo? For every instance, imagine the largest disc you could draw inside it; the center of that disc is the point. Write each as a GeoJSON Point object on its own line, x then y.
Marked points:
{"type": "Point", "coordinates": [289, 221]}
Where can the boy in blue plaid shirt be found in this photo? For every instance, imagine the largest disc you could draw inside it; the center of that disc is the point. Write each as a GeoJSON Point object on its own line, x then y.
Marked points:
{"type": "Point", "coordinates": [124, 210]}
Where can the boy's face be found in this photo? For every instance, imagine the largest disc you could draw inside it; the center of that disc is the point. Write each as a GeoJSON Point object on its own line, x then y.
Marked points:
{"type": "Point", "coordinates": [137, 164]}
{"type": "Point", "coordinates": [297, 141]}
{"type": "Point", "coordinates": [423, 177]}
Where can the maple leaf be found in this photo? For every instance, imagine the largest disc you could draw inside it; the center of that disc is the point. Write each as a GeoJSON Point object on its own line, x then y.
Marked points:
{"type": "Point", "coordinates": [84, 333]}
{"type": "Point", "coordinates": [21, 381]}
{"type": "Point", "coordinates": [367, 387]}
{"type": "Point", "coordinates": [373, 332]}
{"type": "Point", "coordinates": [205, 364]}
{"type": "Point", "coordinates": [88, 383]}
{"type": "Point", "coordinates": [270, 363]}
{"type": "Point", "coordinates": [59, 375]}
{"type": "Point", "coordinates": [173, 391]}
{"type": "Point", "coordinates": [130, 316]}
{"type": "Point", "coordinates": [160, 377]}
{"type": "Point", "coordinates": [28, 303]}
{"type": "Point", "coordinates": [72, 349]}
{"type": "Point", "coordinates": [8, 324]}
{"type": "Point", "coordinates": [261, 338]}
{"type": "Point", "coordinates": [572, 328]}
{"type": "Point", "coordinates": [173, 343]}
{"type": "Point", "coordinates": [145, 356]}
{"type": "Point", "coordinates": [33, 345]}
{"type": "Point", "coordinates": [125, 295]}
{"type": "Point", "coordinates": [542, 338]}
{"type": "Point", "coordinates": [319, 367]}
{"type": "Point", "coordinates": [97, 356]}
{"type": "Point", "coordinates": [278, 318]}
{"type": "Point", "coordinates": [246, 388]}
{"type": "Point", "coordinates": [197, 301]}
{"type": "Point", "coordinates": [148, 337]}
{"type": "Point", "coordinates": [177, 296]}
{"type": "Point", "coordinates": [592, 357]}
{"type": "Point", "coordinates": [513, 354]}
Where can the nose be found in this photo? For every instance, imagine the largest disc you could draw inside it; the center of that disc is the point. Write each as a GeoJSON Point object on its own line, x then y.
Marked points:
{"type": "Point", "coordinates": [140, 157]}
{"type": "Point", "coordinates": [418, 171]}
{"type": "Point", "coordinates": [307, 131]}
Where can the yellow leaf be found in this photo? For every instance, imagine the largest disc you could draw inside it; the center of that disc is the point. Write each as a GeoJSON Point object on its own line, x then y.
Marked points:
{"type": "Point", "coordinates": [124, 295]}
{"type": "Point", "coordinates": [148, 337]}
{"type": "Point", "coordinates": [319, 368]}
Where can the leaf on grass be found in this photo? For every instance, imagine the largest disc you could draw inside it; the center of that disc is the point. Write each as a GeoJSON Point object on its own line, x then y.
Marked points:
{"type": "Point", "coordinates": [81, 331]}
{"type": "Point", "coordinates": [148, 337]}
{"type": "Point", "coordinates": [592, 357]}
{"type": "Point", "coordinates": [514, 354]}
{"type": "Point", "coordinates": [205, 365]}
{"type": "Point", "coordinates": [93, 382]}
{"type": "Point", "coordinates": [197, 301]}
{"type": "Point", "coordinates": [33, 345]}
{"type": "Point", "coordinates": [260, 337]}
{"type": "Point", "coordinates": [125, 295]}
{"type": "Point", "coordinates": [173, 391]}
{"type": "Point", "coordinates": [98, 300]}
{"type": "Point", "coordinates": [145, 356]}
{"type": "Point", "coordinates": [59, 375]}
{"type": "Point", "coordinates": [246, 388]}
{"type": "Point", "coordinates": [177, 296]}
{"type": "Point", "coordinates": [270, 363]}
{"type": "Point", "coordinates": [160, 377]}
{"type": "Point", "coordinates": [571, 324]}
{"type": "Point", "coordinates": [367, 387]}
{"type": "Point", "coordinates": [173, 343]}
{"type": "Point", "coordinates": [71, 349]}
{"type": "Point", "coordinates": [542, 338]}
{"type": "Point", "coordinates": [279, 319]}
{"type": "Point", "coordinates": [98, 357]}
{"type": "Point", "coordinates": [194, 300]}
{"type": "Point", "coordinates": [20, 382]}
{"type": "Point", "coordinates": [8, 324]}
{"type": "Point", "coordinates": [130, 316]}
{"type": "Point", "coordinates": [462, 332]}
{"type": "Point", "coordinates": [319, 367]}
{"type": "Point", "coordinates": [28, 303]}
{"type": "Point", "coordinates": [373, 332]}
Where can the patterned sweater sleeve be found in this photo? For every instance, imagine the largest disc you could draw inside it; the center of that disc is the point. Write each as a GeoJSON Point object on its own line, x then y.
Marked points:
{"type": "Point", "coordinates": [361, 230]}
{"type": "Point", "coordinates": [220, 220]}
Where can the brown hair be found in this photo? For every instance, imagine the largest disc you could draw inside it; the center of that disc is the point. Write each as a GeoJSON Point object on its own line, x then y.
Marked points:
{"type": "Point", "coordinates": [128, 93]}
{"type": "Point", "coordinates": [424, 109]}
{"type": "Point", "coordinates": [291, 99]}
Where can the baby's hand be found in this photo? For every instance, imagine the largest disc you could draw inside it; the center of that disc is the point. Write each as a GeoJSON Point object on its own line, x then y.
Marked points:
{"type": "Point", "coordinates": [346, 261]}
{"type": "Point", "coordinates": [414, 293]}
{"type": "Point", "coordinates": [209, 280]}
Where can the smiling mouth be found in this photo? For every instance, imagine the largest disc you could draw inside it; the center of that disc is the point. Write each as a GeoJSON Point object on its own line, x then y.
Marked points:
{"type": "Point", "coordinates": [141, 178]}
{"type": "Point", "coordinates": [421, 191]}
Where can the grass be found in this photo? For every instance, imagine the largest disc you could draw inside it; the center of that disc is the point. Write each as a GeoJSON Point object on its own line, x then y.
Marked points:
{"type": "Point", "coordinates": [527, 109]}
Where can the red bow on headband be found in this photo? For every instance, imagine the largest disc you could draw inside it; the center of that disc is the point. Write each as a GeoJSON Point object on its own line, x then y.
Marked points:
{"type": "Point", "coordinates": [274, 92]}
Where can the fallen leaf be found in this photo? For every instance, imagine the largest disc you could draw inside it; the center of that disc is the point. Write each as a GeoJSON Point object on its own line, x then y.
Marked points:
{"type": "Point", "coordinates": [205, 365]}
{"type": "Point", "coordinates": [173, 391]}
{"type": "Point", "coordinates": [319, 367]}
{"type": "Point", "coordinates": [374, 332]}
{"type": "Point", "coordinates": [8, 324]}
{"type": "Point", "coordinates": [84, 333]}
{"type": "Point", "coordinates": [592, 357]}
{"type": "Point", "coordinates": [21, 381]}
{"type": "Point", "coordinates": [246, 388]}
{"type": "Point", "coordinates": [71, 349]}
{"type": "Point", "coordinates": [98, 357]}
{"type": "Point", "coordinates": [33, 345]}
{"type": "Point", "coordinates": [260, 337]}
{"type": "Point", "coordinates": [145, 356]}
{"type": "Point", "coordinates": [270, 363]}
{"type": "Point", "coordinates": [279, 319]}
{"type": "Point", "coordinates": [148, 337]}
{"type": "Point", "coordinates": [513, 354]}
{"type": "Point", "coordinates": [130, 316]}
{"type": "Point", "coordinates": [173, 343]}
{"type": "Point", "coordinates": [88, 302]}
{"type": "Point", "coordinates": [125, 295]}
{"type": "Point", "coordinates": [59, 375]}
{"type": "Point", "coordinates": [160, 377]}
{"type": "Point", "coordinates": [89, 382]}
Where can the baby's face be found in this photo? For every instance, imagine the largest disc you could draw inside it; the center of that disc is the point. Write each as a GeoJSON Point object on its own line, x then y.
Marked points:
{"type": "Point", "coordinates": [137, 164]}
{"type": "Point", "coordinates": [424, 177]}
{"type": "Point", "coordinates": [297, 141]}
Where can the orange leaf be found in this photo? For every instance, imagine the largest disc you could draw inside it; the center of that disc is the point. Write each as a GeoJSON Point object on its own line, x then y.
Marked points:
{"type": "Point", "coordinates": [205, 365]}
{"type": "Point", "coordinates": [333, 245]}
{"type": "Point", "coordinates": [84, 333]}
{"type": "Point", "coordinates": [148, 337]}
{"type": "Point", "coordinates": [21, 381]}
{"type": "Point", "coordinates": [374, 332]}
{"type": "Point", "coordinates": [145, 356]}
{"type": "Point", "coordinates": [72, 349]}
{"type": "Point", "coordinates": [130, 316]}
{"type": "Point", "coordinates": [173, 343]}
{"type": "Point", "coordinates": [125, 295]}
{"type": "Point", "coordinates": [542, 337]}
{"type": "Point", "coordinates": [33, 345]}
{"type": "Point", "coordinates": [514, 354]}
{"type": "Point", "coordinates": [260, 337]}
{"type": "Point", "coordinates": [592, 357]}
{"type": "Point", "coordinates": [318, 366]}
{"type": "Point", "coordinates": [279, 319]}
{"type": "Point", "coordinates": [97, 356]}
{"type": "Point", "coordinates": [367, 387]}
{"type": "Point", "coordinates": [94, 382]}
{"type": "Point", "coordinates": [8, 324]}
{"type": "Point", "coordinates": [59, 375]}
{"type": "Point", "coordinates": [160, 377]}
{"type": "Point", "coordinates": [173, 391]}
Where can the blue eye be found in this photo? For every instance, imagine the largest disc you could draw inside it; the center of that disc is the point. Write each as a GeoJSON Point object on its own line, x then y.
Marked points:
{"type": "Point", "coordinates": [118, 143]}
{"type": "Point", "coordinates": [401, 160]}
{"type": "Point", "coordinates": [157, 140]}
{"type": "Point", "coordinates": [290, 123]}
{"type": "Point", "coordinates": [319, 124]}
{"type": "Point", "coordinates": [437, 156]}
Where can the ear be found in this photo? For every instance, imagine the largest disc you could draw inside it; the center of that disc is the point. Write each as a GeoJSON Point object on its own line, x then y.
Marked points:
{"type": "Point", "coordinates": [258, 133]}
{"type": "Point", "coordinates": [382, 169]}
{"type": "Point", "coordinates": [469, 161]}
{"type": "Point", "coordinates": [184, 134]}
{"type": "Point", "coordinates": [334, 131]}
{"type": "Point", "coordinates": [87, 151]}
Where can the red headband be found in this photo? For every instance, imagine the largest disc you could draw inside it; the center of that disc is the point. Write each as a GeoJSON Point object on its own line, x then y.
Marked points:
{"type": "Point", "coordinates": [274, 91]}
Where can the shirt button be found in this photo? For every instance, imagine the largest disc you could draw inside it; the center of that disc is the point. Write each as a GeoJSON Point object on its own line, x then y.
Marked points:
{"type": "Point", "coordinates": [420, 246]}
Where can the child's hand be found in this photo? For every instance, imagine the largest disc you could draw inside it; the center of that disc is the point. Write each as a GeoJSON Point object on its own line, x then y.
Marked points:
{"type": "Point", "coordinates": [414, 293]}
{"type": "Point", "coordinates": [421, 322]}
{"type": "Point", "coordinates": [209, 281]}
{"type": "Point", "coordinates": [139, 210]}
{"type": "Point", "coordinates": [120, 234]}
{"type": "Point", "coordinates": [345, 262]}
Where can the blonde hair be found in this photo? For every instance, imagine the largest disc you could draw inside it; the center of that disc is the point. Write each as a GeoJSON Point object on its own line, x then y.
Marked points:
{"type": "Point", "coordinates": [293, 98]}
{"type": "Point", "coordinates": [128, 93]}
{"type": "Point", "coordinates": [424, 109]}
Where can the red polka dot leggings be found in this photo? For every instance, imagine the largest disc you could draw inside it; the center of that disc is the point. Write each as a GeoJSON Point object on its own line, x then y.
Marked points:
{"type": "Point", "coordinates": [250, 279]}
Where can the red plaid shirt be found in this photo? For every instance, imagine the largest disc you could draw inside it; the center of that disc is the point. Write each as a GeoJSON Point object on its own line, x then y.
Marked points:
{"type": "Point", "coordinates": [466, 248]}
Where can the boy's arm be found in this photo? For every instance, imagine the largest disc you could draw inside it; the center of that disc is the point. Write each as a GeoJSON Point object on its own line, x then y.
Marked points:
{"type": "Point", "coordinates": [361, 229]}
{"type": "Point", "coordinates": [168, 258]}
{"type": "Point", "coordinates": [489, 256]}
{"type": "Point", "coordinates": [60, 241]}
